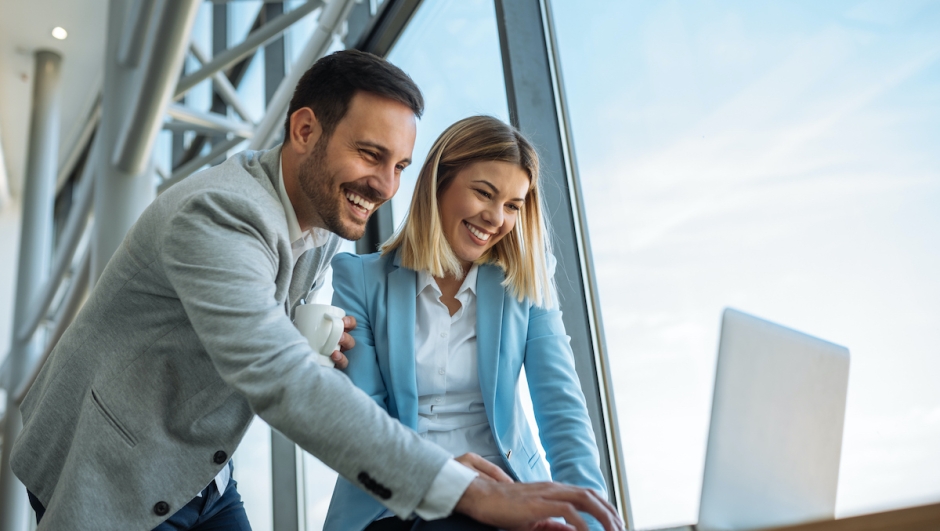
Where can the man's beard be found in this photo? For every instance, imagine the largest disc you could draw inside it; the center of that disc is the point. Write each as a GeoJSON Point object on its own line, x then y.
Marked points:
{"type": "Point", "coordinates": [318, 184]}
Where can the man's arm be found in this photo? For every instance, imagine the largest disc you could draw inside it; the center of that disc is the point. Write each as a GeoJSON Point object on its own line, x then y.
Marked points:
{"type": "Point", "coordinates": [221, 258]}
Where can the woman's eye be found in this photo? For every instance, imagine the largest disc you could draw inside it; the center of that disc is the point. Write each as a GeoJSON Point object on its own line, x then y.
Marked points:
{"type": "Point", "coordinates": [514, 208]}
{"type": "Point", "coordinates": [483, 193]}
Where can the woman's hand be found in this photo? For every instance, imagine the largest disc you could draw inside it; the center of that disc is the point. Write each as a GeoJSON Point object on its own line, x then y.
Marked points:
{"type": "Point", "coordinates": [487, 470]}
{"type": "Point", "coordinates": [346, 342]}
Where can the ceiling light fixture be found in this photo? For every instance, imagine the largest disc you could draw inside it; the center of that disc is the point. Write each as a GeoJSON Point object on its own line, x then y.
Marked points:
{"type": "Point", "coordinates": [59, 33]}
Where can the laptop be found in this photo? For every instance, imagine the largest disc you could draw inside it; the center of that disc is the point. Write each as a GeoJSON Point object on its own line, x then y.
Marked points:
{"type": "Point", "coordinates": [776, 427]}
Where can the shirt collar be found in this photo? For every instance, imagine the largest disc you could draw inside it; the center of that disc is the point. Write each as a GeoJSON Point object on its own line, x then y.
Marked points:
{"type": "Point", "coordinates": [469, 282]}
{"type": "Point", "coordinates": [311, 238]}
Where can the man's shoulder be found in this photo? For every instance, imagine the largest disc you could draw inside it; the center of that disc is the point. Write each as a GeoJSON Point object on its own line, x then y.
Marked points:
{"type": "Point", "coordinates": [244, 178]}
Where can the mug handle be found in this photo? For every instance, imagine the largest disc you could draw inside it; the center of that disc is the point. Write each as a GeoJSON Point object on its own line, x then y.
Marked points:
{"type": "Point", "coordinates": [336, 331]}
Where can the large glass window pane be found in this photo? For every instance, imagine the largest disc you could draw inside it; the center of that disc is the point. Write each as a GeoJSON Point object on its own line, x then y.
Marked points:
{"type": "Point", "coordinates": [780, 158]}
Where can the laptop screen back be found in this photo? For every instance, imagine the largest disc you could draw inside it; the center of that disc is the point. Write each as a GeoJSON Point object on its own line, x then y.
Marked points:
{"type": "Point", "coordinates": [776, 427]}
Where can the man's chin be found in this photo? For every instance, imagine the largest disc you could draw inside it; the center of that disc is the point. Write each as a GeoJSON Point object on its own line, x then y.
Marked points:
{"type": "Point", "coordinates": [349, 230]}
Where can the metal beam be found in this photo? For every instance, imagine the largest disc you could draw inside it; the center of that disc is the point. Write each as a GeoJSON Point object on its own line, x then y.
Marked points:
{"type": "Point", "coordinates": [71, 303]}
{"type": "Point", "coordinates": [222, 86]}
{"type": "Point", "coordinates": [207, 121]}
{"type": "Point", "coordinates": [235, 74]}
{"type": "Point", "coordinates": [65, 251]}
{"type": "Point", "coordinates": [534, 90]}
{"type": "Point", "coordinates": [33, 265]}
{"type": "Point", "coordinates": [379, 32]}
{"type": "Point", "coordinates": [331, 18]}
{"type": "Point", "coordinates": [255, 39]}
{"type": "Point", "coordinates": [168, 50]}
{"type": "Point", "coordinates": [135, 32]}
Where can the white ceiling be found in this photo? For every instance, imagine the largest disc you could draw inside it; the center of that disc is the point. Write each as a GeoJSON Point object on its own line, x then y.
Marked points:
{"type": "Point", "coordinates": [25, 27]}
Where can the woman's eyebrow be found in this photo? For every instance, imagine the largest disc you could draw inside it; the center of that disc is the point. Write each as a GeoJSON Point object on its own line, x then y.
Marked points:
{"type": "Point", "coordinates": [496, 190]}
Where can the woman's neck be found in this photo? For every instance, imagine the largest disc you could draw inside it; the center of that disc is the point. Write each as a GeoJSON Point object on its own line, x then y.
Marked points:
{"type": "Point", "coordinates": [449, 286]}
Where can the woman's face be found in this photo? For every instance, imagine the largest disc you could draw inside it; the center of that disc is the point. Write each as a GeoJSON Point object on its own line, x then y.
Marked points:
{"type": "Point", "coordinates": [480, 205]}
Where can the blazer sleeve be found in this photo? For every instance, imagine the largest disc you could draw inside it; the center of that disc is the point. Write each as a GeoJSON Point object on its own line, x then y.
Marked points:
{"type": "Point", "coordinates": [560, 409]}
{"type": "Point", "coordinates": [219, 253]}
{"type": "Point", "coordinates": [349, 293]}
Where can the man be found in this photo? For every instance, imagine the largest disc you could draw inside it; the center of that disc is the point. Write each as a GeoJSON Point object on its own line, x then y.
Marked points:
{"type": "Point", "coordinates": [187, 336]}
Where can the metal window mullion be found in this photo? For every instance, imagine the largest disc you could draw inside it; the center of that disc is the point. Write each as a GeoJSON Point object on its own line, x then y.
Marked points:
{"type": "Point", "coordinates": [533, 88]}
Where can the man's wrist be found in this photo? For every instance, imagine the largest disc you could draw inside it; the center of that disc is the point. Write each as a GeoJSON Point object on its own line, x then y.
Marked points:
{"type": "Point", "coordinates": [446, 491]}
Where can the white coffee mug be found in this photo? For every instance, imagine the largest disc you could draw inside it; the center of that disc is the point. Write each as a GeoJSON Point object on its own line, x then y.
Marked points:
{"type": "Point", "coordinates": [322, 325]}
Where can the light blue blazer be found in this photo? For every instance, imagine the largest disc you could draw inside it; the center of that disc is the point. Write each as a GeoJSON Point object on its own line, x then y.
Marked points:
{"type": "Point", "coordinates": [382, 295]}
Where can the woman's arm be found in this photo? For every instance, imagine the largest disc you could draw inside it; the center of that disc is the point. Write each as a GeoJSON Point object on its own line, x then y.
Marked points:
{"type": "Point", "coordinates": [349, 293]}
{"type": "Point", "coordinates": [560, 410]}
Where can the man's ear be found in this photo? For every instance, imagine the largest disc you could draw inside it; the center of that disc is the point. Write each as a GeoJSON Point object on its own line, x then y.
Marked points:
{"type": "Point", "coordinates": [304, 130]}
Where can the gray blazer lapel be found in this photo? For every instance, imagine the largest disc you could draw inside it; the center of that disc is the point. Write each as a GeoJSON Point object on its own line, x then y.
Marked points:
{"type": "Point", "coordinates": [490, 294]}
{"type": "Point", "coordinates": [400, 305]}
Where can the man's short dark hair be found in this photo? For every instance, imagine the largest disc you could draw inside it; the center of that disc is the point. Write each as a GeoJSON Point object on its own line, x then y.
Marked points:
{"type": "Point", "coordinates": [330, 84]}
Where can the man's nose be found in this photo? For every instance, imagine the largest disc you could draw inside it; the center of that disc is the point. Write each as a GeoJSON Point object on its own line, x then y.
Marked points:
{"type": "Point", "coordinates": [385, 182]}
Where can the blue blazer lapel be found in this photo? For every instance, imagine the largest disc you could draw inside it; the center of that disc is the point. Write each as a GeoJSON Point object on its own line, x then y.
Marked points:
{"type": "Point", "coordinates": [400, 308]}
{"type": "Point", "coordinates": [490, 294]}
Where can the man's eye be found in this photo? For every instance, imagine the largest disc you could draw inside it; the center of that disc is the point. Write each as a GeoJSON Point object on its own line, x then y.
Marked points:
{"type": "Point", "coordinates": [370, 154]}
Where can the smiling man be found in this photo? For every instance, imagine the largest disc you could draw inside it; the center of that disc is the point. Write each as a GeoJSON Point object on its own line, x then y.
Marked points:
{"type": "Point", "coordinates": [187, 336]}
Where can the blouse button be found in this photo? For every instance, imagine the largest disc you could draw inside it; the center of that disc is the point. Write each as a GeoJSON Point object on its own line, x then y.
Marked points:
{"type": "Point", "coordinates": [443, 334]}
{"type": "Point", "coordinates": [441, 371]}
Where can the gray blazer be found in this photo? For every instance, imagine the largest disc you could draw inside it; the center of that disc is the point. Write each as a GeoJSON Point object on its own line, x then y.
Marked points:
{"type": "Point", "coordinates": [186, 337]}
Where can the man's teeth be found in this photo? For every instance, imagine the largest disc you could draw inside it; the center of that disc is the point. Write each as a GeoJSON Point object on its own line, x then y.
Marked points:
{"type": "Point", "coordinates": [479, 234]}
{"type": "Point", "coordinates": [359, 200]}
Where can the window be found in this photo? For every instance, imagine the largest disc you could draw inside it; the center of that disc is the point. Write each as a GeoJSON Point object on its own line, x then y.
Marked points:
{"type": "Point", "coordinates": [780, 158]}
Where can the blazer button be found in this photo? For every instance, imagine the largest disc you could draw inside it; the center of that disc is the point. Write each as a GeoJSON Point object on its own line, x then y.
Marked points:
{"type": "Point", "coordinates": [161, 508]}
{"type": "Point", "coordinates": [219, 457]}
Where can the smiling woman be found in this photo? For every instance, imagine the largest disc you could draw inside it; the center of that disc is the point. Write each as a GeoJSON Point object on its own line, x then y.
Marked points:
{"type": "Point", "coordinates": [453, 309]}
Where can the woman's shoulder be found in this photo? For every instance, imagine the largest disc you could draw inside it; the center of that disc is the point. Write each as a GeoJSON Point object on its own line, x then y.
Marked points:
{"type": "Point", "coordinates": [368, 263]}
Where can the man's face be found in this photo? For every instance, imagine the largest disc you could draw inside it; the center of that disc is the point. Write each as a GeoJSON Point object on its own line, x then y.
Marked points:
{"type": "Point", "coordinates": [348, 175]}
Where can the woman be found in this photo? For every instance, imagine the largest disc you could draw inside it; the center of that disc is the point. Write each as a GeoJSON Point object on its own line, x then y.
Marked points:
{"type": "Point", "coordinates": [451, 310]}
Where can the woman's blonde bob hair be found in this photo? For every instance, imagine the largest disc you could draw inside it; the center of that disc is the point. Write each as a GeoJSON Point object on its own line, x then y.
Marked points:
{"type": "Point", "coordinates": [522, 253]}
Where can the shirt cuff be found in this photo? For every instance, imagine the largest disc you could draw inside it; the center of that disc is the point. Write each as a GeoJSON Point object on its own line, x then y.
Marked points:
{"type": "Point", "coordinates": [446, 490]}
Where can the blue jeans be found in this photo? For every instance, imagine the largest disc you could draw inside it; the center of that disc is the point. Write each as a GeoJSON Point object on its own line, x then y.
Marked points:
{"type": "Point", "coordinates": [210, 512]}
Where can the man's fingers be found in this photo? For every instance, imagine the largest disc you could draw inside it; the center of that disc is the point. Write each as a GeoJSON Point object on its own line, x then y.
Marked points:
{"type": "Point", "coordinates": [339, 359]}
{"type": "Point", "coordinates": [349, 322]}
{"type": "Point", "coordinates": [486, 469]}
{"type": "Point", "coordinates": [569, 513]}
{"type": "Point", "coordinates": [346, 342]}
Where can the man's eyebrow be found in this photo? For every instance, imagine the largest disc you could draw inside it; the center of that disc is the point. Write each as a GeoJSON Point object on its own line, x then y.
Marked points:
{"type": "Point", "coordinates": [380, 148]}
{"type": "Point", "coordinates": [496, 190]}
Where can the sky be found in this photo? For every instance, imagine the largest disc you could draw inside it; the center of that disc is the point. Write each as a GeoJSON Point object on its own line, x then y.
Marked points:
{"type": "Point", "coordinates": [776, 157]}
{"type": "Point", "coordinates": [780, 158]}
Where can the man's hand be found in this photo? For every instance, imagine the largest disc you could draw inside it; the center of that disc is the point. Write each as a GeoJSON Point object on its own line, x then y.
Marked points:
{"type": "Point", "coordinates": [487, 470]}
{"type": "Point", "coordinates": [527, 506]}
{"type": "Point", "coordinates": [346, 342]}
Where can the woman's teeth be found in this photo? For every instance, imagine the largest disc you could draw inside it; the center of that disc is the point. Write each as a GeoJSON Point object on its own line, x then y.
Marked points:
{"type": "Point", "coordinates": [357, 199]}
{"type": "Point", "coordinates": [476, 232]}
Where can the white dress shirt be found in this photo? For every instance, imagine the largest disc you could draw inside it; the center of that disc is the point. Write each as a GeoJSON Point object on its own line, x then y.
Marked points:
{"type": "Point", "coordinates": [451, 412]}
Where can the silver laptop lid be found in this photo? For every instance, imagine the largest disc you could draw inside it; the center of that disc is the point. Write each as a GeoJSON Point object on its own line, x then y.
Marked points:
{"type": "Point", "coordinates": [776, 427]}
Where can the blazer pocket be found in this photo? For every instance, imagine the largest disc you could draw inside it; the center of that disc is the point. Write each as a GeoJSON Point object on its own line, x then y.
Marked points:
{"type": "Point", "coordinates": [106, 413]}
